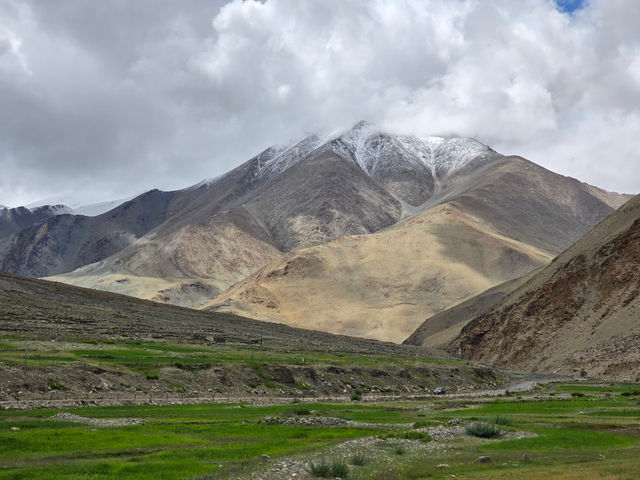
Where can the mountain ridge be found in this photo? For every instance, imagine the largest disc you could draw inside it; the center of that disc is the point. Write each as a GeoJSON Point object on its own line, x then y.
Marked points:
{"type": "Point", "coordinates": [577, 316]}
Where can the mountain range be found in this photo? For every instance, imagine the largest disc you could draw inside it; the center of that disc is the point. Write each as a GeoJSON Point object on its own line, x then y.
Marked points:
{"type": "Point", "coordinates": [365, 233]}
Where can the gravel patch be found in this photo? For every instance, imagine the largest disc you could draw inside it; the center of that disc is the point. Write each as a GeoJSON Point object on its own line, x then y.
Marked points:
{"type": "Point", "coordinates": [99, 422]}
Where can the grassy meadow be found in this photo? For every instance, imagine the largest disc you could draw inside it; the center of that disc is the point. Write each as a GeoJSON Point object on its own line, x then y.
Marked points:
{"type": "Point", "coordinates": [582, 431]}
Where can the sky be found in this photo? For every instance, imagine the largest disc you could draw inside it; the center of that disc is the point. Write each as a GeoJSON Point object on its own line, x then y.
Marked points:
{"type": "Point", "coordinates": [104, 100]}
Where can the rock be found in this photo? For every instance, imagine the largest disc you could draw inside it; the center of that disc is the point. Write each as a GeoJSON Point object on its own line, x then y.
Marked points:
{"type": "Point", "coordinates": [15, 429]}
{"type": "Point", "coordinates": [483, 459]}
{"type": "Point", "coordinates": [265, 458]}
{"type": "Point", "coordinates": [525, 457]}
{"type": "Point", "coordinates": [443, 465]}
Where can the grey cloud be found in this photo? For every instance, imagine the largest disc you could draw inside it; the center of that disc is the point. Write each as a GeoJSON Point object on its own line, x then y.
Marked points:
{"type": "Point", "coordinates": [106, 99]}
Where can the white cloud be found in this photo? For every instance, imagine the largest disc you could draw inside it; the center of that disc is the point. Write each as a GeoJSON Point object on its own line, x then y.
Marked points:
{"type": "Point", "coordinates": [135, 95]}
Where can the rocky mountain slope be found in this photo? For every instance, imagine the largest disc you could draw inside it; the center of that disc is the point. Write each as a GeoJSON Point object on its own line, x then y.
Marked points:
{"type": "Point", "coordinates": [580, 315]}
{"type": "Point", "coordinates": [13, 220]}
{"type": "Point", "coordinates": [64, 242]}
{"type": "Point", "coordinates": [492, 220]}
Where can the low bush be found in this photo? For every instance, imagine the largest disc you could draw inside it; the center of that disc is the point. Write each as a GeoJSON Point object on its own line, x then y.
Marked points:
{"type": "Point", "coordinates": [483, 430]}
{"type": "Point", "coordinates": [501, 420]}
{"type": "Point", "coordinates": [358, 459]}
{"type": "Point", "coordinates": [322, 469]}
{"type": "Point", "coordinates": [399, 450]}
{"type": "Point", "coordinates": [337, 468]}
{"type": "Point", "coordinates": [56, 385]}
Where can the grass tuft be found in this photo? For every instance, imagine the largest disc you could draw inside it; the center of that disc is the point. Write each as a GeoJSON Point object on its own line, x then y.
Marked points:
{"type": "Point", "coordinates": [358, 459]}
{"type": "Point", "coordinates": [337, 468]}
{"type": "Point", "coordinates": [483, 430]}
{"type": "Point", "coordinates": [501, 420]}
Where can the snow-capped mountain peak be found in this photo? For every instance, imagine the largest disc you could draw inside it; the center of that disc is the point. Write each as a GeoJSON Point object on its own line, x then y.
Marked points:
{"type": "Point", "coordinates": [275, 160]}
{"type": "Point", "coordinates": [374, 151]}
{"type": "Point", "coordinates": [368, 146]}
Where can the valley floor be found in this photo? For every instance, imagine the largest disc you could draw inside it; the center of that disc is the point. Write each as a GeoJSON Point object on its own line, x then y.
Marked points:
{"type": "Point", "coordinates": [559, 431]}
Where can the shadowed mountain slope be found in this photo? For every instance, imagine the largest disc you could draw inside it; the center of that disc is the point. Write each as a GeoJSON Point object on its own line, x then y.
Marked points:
{"type": "Point", "coordinates": [13, 220]}
{"type": "Point", "coordinates": [580, 315]}
{"type": "Point", "coordinates": [64, 242]}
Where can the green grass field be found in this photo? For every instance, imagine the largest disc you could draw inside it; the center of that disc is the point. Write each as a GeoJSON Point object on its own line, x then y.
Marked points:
{"type": "Point", "coordinates": [139, 355]}
{"type": "Point", "coordinates": [595, 436]}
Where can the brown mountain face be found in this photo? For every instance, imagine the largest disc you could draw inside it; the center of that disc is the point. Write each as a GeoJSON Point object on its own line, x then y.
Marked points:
{"type": "Point", "coordinates": [442, 328]}
{"type": "Point", "coordinates": [380, 285]}
{"type": "Point", "coordinates": [481, 228]}
{"type": "Point", "coordinates": [580, 315]}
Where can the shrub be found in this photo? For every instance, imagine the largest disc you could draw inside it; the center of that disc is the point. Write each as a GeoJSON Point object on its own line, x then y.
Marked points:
{"type": "Point", "coordinates": [322, 469]}
{"type": "Point", "coordinates": [356, 396]}
{"type": "Point", "coordinates": [179, 365]}
{"type": "Point", "coordinates": [152, 376]}
{"type": "Point", "coordinates": [630, 393]}
{"type": "Point", "coordinates": [337, 468]}
{"type": "Point", "coordinates": [56, 385]}
{"type": "Point", "coordinates": [502, 420]}
{"type": "Point", "coordinates": [399, 450]}
{"type": "Point", "coordinates": [421, 424]}
{"type": "Point", "coordinates": [358, 459]}
{"type": "Point", "coordinates": [577, 394]}
{"type": "Point", "coordinates": [483, 430]}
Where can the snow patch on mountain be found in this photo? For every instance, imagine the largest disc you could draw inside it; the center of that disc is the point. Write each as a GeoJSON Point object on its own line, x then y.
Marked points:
{"type": "Point", "coordinates": [61, 205]}
{"type": "Point", "coordinates": [371, 149]}
{"type": "Point", "coordinates": [275, 160]}
{"type": "Point", "coordinates": [53, 210]}
{"type": "Point", "coordinates": [43, 211]}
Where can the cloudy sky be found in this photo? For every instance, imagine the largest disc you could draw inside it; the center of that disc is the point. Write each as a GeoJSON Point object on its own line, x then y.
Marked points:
{"type": "Point", "coordinates": [103, 100]}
